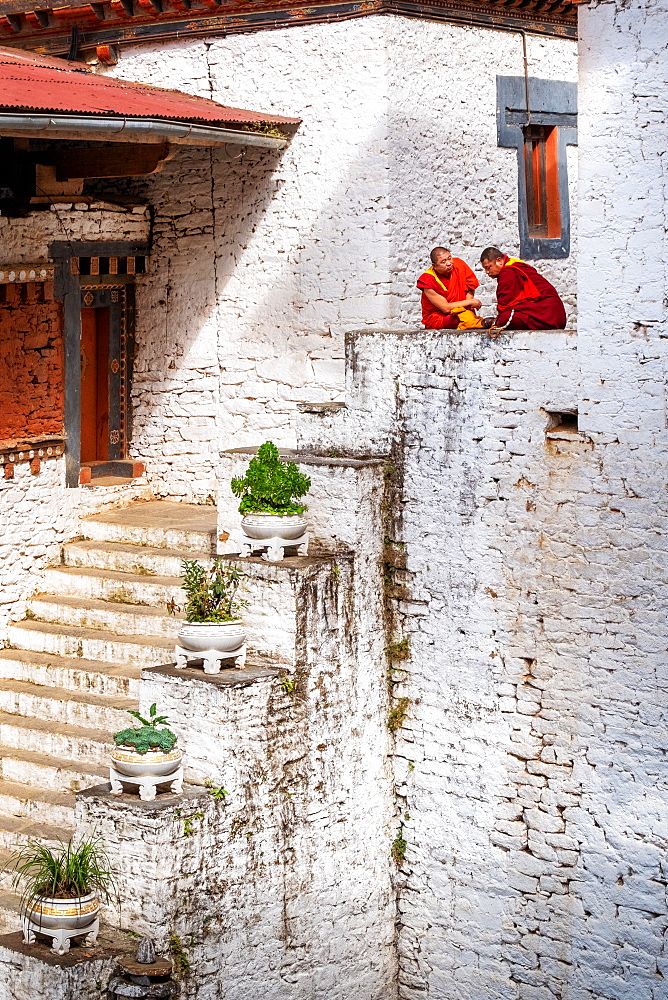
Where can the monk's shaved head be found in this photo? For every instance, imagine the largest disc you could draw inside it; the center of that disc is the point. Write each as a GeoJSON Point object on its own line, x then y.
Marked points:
{"type": "Point", "coordinates": [491, 253]}
{"type": "Point", "coordinates": [436, 253]}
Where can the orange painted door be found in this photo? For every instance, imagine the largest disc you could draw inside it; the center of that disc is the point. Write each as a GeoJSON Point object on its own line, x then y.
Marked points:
{"type": "Point", "coordinates": [94, 385]}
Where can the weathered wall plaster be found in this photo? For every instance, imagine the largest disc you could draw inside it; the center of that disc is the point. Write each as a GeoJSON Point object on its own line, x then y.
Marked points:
{"type": "Point", "coordinates": [260, 264]}
{"type": "Point", "coordinates": [283, 886]}
{"type": "Point", "coordinates": [531, 592]}
{"type": "Point", "coordinates": [37, 512]}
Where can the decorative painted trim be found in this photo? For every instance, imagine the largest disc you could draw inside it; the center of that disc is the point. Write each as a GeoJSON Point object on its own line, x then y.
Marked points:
{"type": "Point", "coordinates": [106, 23]}
{"type": "Point", "coordinates": [551, 102]}
{"type": "Point", "coordinates": [22, 273]}
{"type": "Point", "coordinates": [34, 450]}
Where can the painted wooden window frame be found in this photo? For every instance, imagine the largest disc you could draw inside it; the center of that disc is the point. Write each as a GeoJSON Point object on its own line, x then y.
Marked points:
{"type": "Point", "coordinates": [552, 107]}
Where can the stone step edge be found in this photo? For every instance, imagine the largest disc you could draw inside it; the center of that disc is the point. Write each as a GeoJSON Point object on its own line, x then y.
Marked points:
{"type": "Point", "coordinates": [39, 759]}
{"type": "Point", "coordinates": [99, 604]}
{"type": "Point", "coordinates": [83, 632]}
{"type": "Point", "coordinates": [38, 658]}
{"type": "Point", "coordinates": [65, 729]}
{"type": "Point", "coordinates": [65, 695]}
{"type": "Point", "coordinates": [128, 548]}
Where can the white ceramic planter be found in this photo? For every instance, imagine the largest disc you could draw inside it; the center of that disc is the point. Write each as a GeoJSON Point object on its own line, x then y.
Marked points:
{"type": "Point", "coordinates": [63, 914]}
{"type": "Point", "coordinates": [153, 763]}
{"type": "Point", "coordinates": [221, 636]}
{"type": "Point", "coordinates": [274, 525]}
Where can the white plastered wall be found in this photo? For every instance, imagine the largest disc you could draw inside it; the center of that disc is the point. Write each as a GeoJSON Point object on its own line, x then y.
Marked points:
{"type": "Point", "coordinates": [266, 260]}
{"type": "Point", "coordinates": [37, 512]}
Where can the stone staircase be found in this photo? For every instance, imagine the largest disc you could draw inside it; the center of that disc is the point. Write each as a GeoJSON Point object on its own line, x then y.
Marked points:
{"type": "Point", "coordinates": [71, 669]}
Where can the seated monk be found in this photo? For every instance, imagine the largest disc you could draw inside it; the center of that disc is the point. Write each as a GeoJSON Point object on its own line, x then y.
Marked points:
{"type": "Point", "coordinates": [447, 289]}
{"type": "Point", "coordinates": [525, 299]}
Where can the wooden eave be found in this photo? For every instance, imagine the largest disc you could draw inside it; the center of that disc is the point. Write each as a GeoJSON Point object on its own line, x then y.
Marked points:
{"type": "Point", "coordinates": [46, 26]}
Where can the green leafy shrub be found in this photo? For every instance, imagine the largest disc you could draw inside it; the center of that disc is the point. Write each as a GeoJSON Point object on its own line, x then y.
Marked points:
{"type": "Point", "coordinates": [63, 872]}
{"type": "Point", "coordinates": [211, 592]}
{"type": "Point", "coordinates": [271, 486]}
{"type": "Point", "coordinates": [147, 736]}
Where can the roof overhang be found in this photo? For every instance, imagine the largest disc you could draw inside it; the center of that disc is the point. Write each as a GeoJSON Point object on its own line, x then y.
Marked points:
{"type": "Point", "coordinates": [46, 97]}
{"type": "Point", "coordinates": [135, 130]}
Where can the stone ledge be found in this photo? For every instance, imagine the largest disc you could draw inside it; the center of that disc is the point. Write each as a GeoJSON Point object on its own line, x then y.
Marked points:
{"type": "Point", "coordinates": [227, 678]}
{"type": "Point", "coordinates": [311, 458]}
{"type": "Point", "coordinates": [165, 800]}
{"type": "Point", "coordinates": [292, 566]}
{"type": "Point", "coordinates": [321, 409]}
{"type": "Point", "coordinates": [110, 944]}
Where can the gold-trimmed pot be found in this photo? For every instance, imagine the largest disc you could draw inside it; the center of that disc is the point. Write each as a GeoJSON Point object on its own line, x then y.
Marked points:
{"type": "Point", "coordinates": [153, 763]}
{"type": "Point", "coordinates": [53, 914]}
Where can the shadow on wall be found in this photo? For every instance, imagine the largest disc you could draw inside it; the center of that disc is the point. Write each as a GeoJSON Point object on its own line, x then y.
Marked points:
{"type": "Point", "coordinates": [261, 265]}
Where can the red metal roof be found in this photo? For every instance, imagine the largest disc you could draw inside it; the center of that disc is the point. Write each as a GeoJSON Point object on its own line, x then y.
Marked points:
{"type": "Point", "coordinates": [31, 82]}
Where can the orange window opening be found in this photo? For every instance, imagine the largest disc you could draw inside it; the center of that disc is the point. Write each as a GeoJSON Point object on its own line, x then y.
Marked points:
{"type": "Point", "coordinates": [541, 171]}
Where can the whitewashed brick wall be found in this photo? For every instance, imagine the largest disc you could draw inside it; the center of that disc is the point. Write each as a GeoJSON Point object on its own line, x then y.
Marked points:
{"type": "Point", "coordinates": [262, 263]}
{"type": "Point", "coordinates": [37, 512]}
{"type": "Point", "coordinates": [532, 593]}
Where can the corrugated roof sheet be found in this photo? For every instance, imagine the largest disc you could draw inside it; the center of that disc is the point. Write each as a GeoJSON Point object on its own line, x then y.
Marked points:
{"type": "Point", "coordinates": [37, 83]}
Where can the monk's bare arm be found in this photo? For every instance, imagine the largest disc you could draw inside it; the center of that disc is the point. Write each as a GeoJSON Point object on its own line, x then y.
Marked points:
{"type": "Point", "coordinates": [442, 304]}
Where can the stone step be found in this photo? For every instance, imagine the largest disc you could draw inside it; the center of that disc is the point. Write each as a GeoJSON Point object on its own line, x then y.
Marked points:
{"type": "Point", "coordinates": [39, 702]}
{"type": "Point", "coordinates": [90, 612]}
{"type": "Point", "coordinates": [40, 805]}
{"type": "Point", "coordinates": [110, 585]}
{"type": "Point", "coordinates": [10, 912]}
{"type": "Point", "coordinates": [140, 560]}
{"type": "Point", "coordinates": [15, 831]}
{"type": "Point", "coordinates": [75, 743]}
{"type": "Point", "coordinates": [56, 774]}
{"type": "Point", "coordinates": [158, 524]}
{"type": "Point", "coordinates": [72, 673]}
{"type": "Point", "coordinates": [90, 644]}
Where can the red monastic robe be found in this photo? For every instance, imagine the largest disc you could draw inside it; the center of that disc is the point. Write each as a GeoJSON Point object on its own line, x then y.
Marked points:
{"type": "Point", "coordinates": [533, 301]}
{"type": "Point", "coordinates": [454, 289]}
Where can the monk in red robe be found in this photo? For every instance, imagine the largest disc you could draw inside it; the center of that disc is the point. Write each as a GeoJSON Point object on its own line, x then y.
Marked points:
{"type": "Point", "coordinates": [525, 299]}
{"type": "Point", "coordinates": [447, 290]}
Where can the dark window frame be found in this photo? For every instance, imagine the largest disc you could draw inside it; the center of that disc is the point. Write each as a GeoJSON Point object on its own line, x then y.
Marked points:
{"type": "Point", "coordinates": [552, 113]}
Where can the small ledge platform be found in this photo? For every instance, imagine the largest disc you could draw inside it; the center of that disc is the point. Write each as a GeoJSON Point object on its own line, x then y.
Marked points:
{"type": "Point", "coordinates": [228, 677]}
{"type": "Point", "coordinates": [110, 944]}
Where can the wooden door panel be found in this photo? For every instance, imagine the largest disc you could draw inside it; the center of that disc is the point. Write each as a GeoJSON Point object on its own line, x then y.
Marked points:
{"type": "Point", "coordinates": [102, 410]}
{"type": "Point", "coordinates": [89, 384]}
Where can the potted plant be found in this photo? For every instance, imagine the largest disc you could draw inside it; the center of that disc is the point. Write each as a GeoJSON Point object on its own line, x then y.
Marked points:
{"type": "Point", "coordinates": [269, 493]}
{"type": "Point", "coordinates": [62, 888]}
{"type": "Point", "coordinates": [213, 610]}
{"type": "Point", "coordinates": [146, 750]}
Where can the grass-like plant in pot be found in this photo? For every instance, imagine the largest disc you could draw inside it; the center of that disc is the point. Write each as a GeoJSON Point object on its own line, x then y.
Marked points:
{"type": "Point", "coordinates": [269, 494]}
{"type": "Point", "coordinates": [213, 607]}
{"type": "Point", "coordinates": [146, 750]}
{"type": "Point", "coordinates": [62, 887]}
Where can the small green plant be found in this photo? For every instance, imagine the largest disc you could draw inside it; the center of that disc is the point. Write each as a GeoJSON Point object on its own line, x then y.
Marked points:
{"type": "Point", "coordinates": [216, 792]}
{"type": "Point", "coordinates": [188, 823]}
{"type": "Point", "coordinates": [399, 846]}
{"type": "Point", "coordinates": [271, 486]}
{"type": "Point", "coordinates": [400, 649]}
{"type": "Point", "coordinates": [398, 714]}
{"type": "Point", "coordinates": [65, 872]}
{"type": "Point", "coordinates": [287, 684]}
{"type": "Point", "coordinates": [30, 613]}
{"type": "Point", "coordinates": [211, 593]}
{"type": "Point", "coordinates": [147, 736]}
{"type": "Point", "coordinates": [179, 956]}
